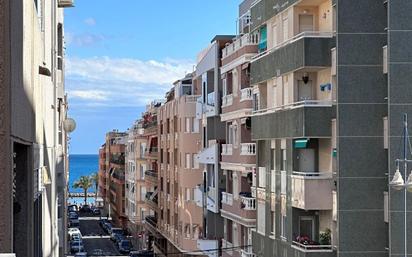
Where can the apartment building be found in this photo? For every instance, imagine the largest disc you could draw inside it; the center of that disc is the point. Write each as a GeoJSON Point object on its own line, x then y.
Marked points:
{"type": "Point", "coordinates": [136, 209]}
{"type": "Point", "coordinates": [112, 178]}
{"type": "Point", "coordinates": [181, 217]}
{"type": "Point", "coordinates": [327, 121]}
{"type": "Point", "coordinates": [151, 169]}
{"type": "Point", "coordinates": [34, 165]}
{"type": "Point", "coordinates": [208, 109]}
{"type": "Point", "coordinates": [238, 155]}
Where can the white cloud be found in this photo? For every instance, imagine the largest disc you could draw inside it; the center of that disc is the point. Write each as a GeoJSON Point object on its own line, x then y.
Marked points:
{"type": "Point", "coordinates": [104, 81]}
{"type": "Point", "coordinates": [129, 70]}
{"type": "Point", "coordinates": [88, 94]}
{"type": "Point", "coordinates": [84, 39]}
{"type": "Point", "coordinates": [90, 21]}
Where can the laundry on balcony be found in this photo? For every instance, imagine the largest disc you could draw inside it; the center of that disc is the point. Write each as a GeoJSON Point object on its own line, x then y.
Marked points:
{"type": "Point", "coordinates": [326, 86]}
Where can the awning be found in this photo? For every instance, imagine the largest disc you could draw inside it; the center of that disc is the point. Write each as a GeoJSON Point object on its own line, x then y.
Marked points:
{"type": "Point", "coordinates": [301, 143]}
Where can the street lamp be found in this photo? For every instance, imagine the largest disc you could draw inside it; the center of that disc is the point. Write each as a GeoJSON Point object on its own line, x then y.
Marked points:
{"type": "Point", "coordinates": [398, 182]}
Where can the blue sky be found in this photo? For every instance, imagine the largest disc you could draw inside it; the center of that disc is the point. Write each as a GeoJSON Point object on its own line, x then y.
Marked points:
{"type": "Point", "coordinates": [120, 55]}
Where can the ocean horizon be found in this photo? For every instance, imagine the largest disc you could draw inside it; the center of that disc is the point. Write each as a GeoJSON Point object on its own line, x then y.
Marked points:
{"type": "Point", "coordinates": [82, 165]}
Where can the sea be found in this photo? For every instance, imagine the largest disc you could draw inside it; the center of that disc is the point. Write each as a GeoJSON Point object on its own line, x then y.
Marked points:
{"type": "Point", "coordinates": [82, 165]}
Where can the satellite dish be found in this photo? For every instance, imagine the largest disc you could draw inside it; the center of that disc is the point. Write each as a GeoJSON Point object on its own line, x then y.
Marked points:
{"type": "Point", "coordinates": [69, 125]}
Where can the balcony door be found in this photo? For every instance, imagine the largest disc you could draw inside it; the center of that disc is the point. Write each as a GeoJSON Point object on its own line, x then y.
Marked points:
{"type": "Point", "coordinates": [306, 160]}
{"type": "Point", "coordinates": [306, 23]}
{"type": "Point", "coordinates": [307, 226]}
{"type": "Point", "coordinates": [305, 90]}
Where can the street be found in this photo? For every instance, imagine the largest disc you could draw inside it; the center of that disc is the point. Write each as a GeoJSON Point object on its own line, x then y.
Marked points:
{"type": "Point", "coordinates": [96, 241]}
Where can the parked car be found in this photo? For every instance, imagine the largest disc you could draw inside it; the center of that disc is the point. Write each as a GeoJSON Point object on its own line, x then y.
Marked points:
{"type": "Point", "coordinates": [76, 235]}
{"type": "Point", "coordinates": [72, 207]}
{"type": "Point", "coordinates": [73, 231]}
{"type": "Point", "coordinates": [85, 208]}
{"type": "Point", "coordinates": [118, 237]}
{"type": "Point", "coordinates": [95, 211]}
{"type": "Point", "coordinates": [124, 246]}
{"type": "Point", "coordinates": [142, 253]}
{"type": "Point", "coordinates": [114, 232]}
{"type": "Point", "coordinates": [74, 223]}
{"type": "Point", "coordinates": [76, 246]}
{"type": "Point", "coordinates": [73, 215]}
{"type": "Point", "coordinates": [107, 227]}
{"type": "Point", "coordinates": [102, 222]}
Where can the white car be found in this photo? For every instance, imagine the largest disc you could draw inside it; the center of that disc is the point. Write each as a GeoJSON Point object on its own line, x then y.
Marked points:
{"type": "Point", "coordinates": [73, 231]}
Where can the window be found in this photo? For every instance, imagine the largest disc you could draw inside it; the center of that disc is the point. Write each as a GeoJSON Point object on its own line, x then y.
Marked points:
{"type": "Point", "coordinates": [274, 95]}
{"type": "Point", "coordinates": [285, 28]}
{"type": "Point", "coordinates": [235, 185]}
{"type": "Point", "coordinates": [262, 177]}
{"type": "Point", "coordinates": [284, 160]}
{"type": "Point", "coordinates": [195, 163]}
{"type": "Point", "coordinates": [188, 194]}
{"type": "Point", "coordinates": [334, 206]}
{"type": "Point", "coordinates": [283, 182]}
{"type": "Point", "coordinates": [273, 181]}
{"type": "Point", "coordinates": [274, 35]}
{"type": "Point", "coordinates": [283, 227]}
{"type": "Point", "coordinates": [142, 193]}
{"type": "Point", "coordinates": [188, 125]}
{"type": "Point", "coordinates": [187, 163]}
{"type": "Point", "coordinates": [273, 219]}
{"type": "Point", "coordinates": [285, 90]}
{"type": "Point", "coordinates": [386, 207]}
{"type": "Point", "coordinates": [195, 125]}
{"type": "Point", "coordinates": [261, 217]}
{"type": "Point", "coordinates": [385, 133]}
{"type": "Point", "coordinates": [255, 102]}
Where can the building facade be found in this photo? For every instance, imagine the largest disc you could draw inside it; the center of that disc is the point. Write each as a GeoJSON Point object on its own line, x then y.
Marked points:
{"type": "Point", "coordinates": [136, 209]}
{"type": "Point", "coordinates": [238, 155]}
{"type": "Point", "coordinates": [34, 165]}
{"type": "Point", "coordinates": [112, 187]}
{"type": "Point", "coordinates": [326, 116]}
{"type": "Point", "coordinates": [180, 222]}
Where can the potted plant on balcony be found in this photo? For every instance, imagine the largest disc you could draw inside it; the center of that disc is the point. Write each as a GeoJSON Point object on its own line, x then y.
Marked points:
{"type": "Point", "coordinates": [325, 237]}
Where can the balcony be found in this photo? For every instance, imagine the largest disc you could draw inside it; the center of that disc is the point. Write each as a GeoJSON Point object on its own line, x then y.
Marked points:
{"type": "Point", "coordinates": [246, 94]}
{"type": "Point", "coordinates": [244, 156]}
{"type": "Point", "coordinates": [247, 253]}
{"type": "Point", "coordinates": [152, 152]}
{"type": "Point", "coordinates": [151, 176]}
{"type": "Point", "coordinates": [209, 155]}
{"type": "Point", "coordinates": [227, 149]}
{"type": "Point", "coordinates": [240, 51]}
{"type": "Point", "coordinates": [315, 250]}
{"type": "Point", "coordinates": [307, 49]}
{"type": "Point", "coordinates": [242, 210]}
{"type": "Point", "coordinates": [227, 198]}
{"type": "Point", "coordinates": [308, 118]}
{"type": "Point", "coordinates": [227, 100]}
{"type": "Point", "coordinates": [248, 149]}
{"type": "Point", "coordinates": [151, 199]}
{"type": "Point", "coordinates": [312, 190]}
{"type": "Point", "coordinates": [66, 3]}
{"type": "Point", "coordinates": [238, 43]}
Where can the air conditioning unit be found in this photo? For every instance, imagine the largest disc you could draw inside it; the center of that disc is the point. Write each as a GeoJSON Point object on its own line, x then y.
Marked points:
{"type": "Point", "coordinates": [66, 3]}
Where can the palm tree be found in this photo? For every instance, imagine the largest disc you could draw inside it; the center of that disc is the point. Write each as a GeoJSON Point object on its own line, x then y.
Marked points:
{"type": "Point", "coordinates": [95, 179]}
{"type": "Point", "coordinates": [84, 182]}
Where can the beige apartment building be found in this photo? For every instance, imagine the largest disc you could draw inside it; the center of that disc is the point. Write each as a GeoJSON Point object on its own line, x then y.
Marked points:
{"type": "Point", "coordinates": [151, 154]}
{"type": "Point", "coordinates": [180, 220]}
{"type": "Point", "coordinates": [34, 166]}
{"type": "Point", "coordinates": [136, 168]}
